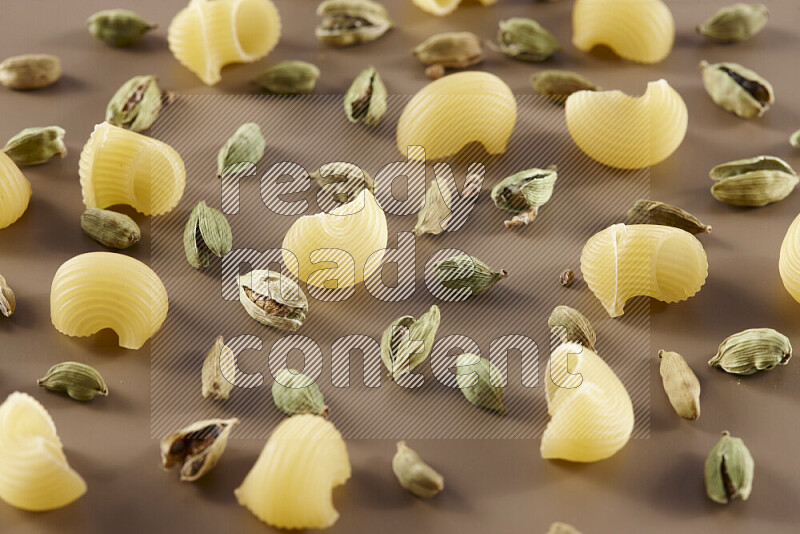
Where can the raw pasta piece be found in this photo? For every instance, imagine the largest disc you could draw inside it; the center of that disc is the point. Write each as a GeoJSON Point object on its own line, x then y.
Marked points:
{"type": "Point", "coordinates": [638, 30]}
{"type": "Point", "coordinates": [789, 262]}
{"type": "Point", "coordinates": [209, 34]}
{"type": "Point", "coordinates": [290, 486]}
{"type": "Point", "coordinates": [340, 248]}
{"type": "Point", "coordinates": [451, 112]}
{"type": "Point", "coordinates": [628, 132]}
{"type": "Point", "coordinates": [591, 415]}
{"type": "Point", "coordinates": [100, 290]}
{"type": "Point", "coordinates": [34, 473]}
{"type": "Point", "coordinates": [444, 7]}
{"type": "Point", "coordinates": [15, 191]}
{"type": "Point", "coordinates": [624, 261]}
{"type": "Point", "coordinates": [119, 166]}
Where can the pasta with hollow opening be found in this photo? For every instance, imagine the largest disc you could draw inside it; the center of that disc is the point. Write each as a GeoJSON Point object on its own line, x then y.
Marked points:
{"type": "Point", "coordinates": [100, 290]}
{"type": "Point", "coordinates": [444, 7]}
{"type": "Point", "coordinates": [624, 261]}
{"type": "Point", "coordinates": [451, 112]}
{"type": "Point", "coordinates": [118, 166]}
{"type": "Point", "coordinates": [789, 262]}
{"type": "Point", "coordinates": [15, 191]}
{"type": "Point", "coordinates": [208, 34]}
{"type": "Point", "coordinates": [628, 132]}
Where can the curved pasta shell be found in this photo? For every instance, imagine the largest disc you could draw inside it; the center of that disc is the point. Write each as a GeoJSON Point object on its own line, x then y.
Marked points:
{"type": "Point", "coordinates": [789, 263]}
{"type": "Point", "coordinates": [451, 112]}
{"type": "Point", "coordinates": [591, 416]}
{"type": "Point", "coordinates": [638, 30]}
{"type": "Point", "coordinates": [118, 166]}
{"type": "Point", "coordinates": [444, 7]}
{"type": "Point", "coordinates": [628, 132]}
{"type": "Point", "coordinates": [209, 34]}
{"type": "Point", "coordinates": [291, 483]}
{"type": "Point", "coordinates": [34, 473]}
{"type": "Point", "coordinates": [356, 232]}
{"type": "Point", "coordinates": [100, 290]}
{"type": "Point", "coordinates": [15, 191]}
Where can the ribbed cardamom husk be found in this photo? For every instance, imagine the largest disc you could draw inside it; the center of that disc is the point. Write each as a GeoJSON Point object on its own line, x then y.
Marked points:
{"type": "Point", "coordinates": [559, 84]}
{"type": "Point", "coordinates": [753, 350]}
{"type": "Point", "coordinates": [557, 527]}
{"type": "Point", "coordinates": [34, 146]}
{"type": "Point", "coordinates": [118, 27]}
{"type": "Point", "coordinates": [567, 277]}
{"type": "Point", "coordinates": [293, 77]}
{"type": "Point", "coordinates": [735, 23]}
{"type": "Point", "coordinates": [467, 272]}
{"type": "Point", "coordinates": [414, 474]}
{"type": "Point", "coordinates": [8, 301]}
{"type": "Point", "coordinates": [737, 89]}
{"type": "Point", "coordinates": [523, 193]}
{"type": "Point", "coordinates": [219, 371]}
{"type": "Point", "coordinates": [753, 182]}
{"type": "Point", "coordinates": [196, 448]}
{"type": "Point", "coordinates": [480, 382]}
{"type": "Point", "coordinates": [400, 352]}
{"type": "Point", "coordinates": [365, 101]}
{"type": "Point", "coordinates": [343, 181]}
{"type": "Point", "coordinates": [572, 326]}
{"type": "Point", "coordinates": [526, 40]}
{"type": "Point", "coordinates": [680, 384]}
{"type": "Point", "coordinates": [451, 50]}
{"type": "Point", "coordinates": [294, 393]}
{"type": "Point", "coordinates": [729, 470]}
{"type": "Point", "coordinates": [245, 147]}
{"type": "Point", "coordinates": [30, 71]}
{"type": "Point", "coordinates": [206, 232]}
{"type": "Point", "coordinates": [794, 140]}
{"type": "Point", "coordinates": [273, 299]}
{"type": "Point", "coordinates": [350, 22]}
{"type": "Point", "coordinates": [136, 104]}
{"type": "Point", "coordinates": [80, 381]}
{"type": "Point", "coordinates": [653, 212]}
{"type": "Point", "coordinates": [109, 228]}
{"type": "Point", "coordinates": [434, 215]}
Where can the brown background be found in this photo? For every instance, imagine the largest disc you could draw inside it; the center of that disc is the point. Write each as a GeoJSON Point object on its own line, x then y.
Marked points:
{"type": "Point", "coordinates": [653, 485]}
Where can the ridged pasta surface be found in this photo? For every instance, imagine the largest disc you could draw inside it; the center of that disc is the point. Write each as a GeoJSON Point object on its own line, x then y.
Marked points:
{"type": "Point", "coordinates": [624, 261]}
{"type": "Point", "coordinates": [118, 166]}
{"type": "Point", "coordinates": [15, 191]}
{"type": "Point", "coordinates": [100, 290]}
{"type": "Point", "coordinates": [290, 486]}
{"type": "Point", "coordinates": [34, 473]}
{"type": "Point", "coordinates": [638, 30]}
{"type": "Point", "coordinates": [789, 263]}
{"type": "Point", "coordinates": [209, 34]}
{"type": "Point", "coordinates": [444, 7]}
{"type": "Point", "coordinates": [628, 132]}
{"type": "Point", "coordinates": [591, 415]}
{"type": "Point", "coordinates": [451, 112]}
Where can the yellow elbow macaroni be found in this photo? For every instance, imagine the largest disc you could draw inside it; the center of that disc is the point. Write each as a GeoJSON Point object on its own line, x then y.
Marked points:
{"type": "Point", "coordinates": [15, 191]}
{"type": "Point", "coordinates": [789, 263]}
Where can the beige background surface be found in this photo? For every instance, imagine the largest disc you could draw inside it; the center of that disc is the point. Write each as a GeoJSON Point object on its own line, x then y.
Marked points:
{"type": "Point", "coordinates": [653, 485]}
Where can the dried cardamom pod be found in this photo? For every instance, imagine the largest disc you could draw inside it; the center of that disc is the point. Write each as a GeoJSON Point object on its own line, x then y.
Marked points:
{"type": "Point", "coordinates": [753, 182]}
{"type": "Point", "coordinates": [34, 146]}
{"type": "Point", "coordinates": [118, 27]}
{"type": "Point", "coordinates": [30, 71]}
{"type": "Point", "coordinates": [523, 193]}
{"type": "Point", "coordinates": [794, 140]}
{"type": "Point", "coordinates": [292, 77]}
{"type": "Point", "coordinates": [136, 104]}
{"type": "Point", "coordinates": [295, 393]}
{"type": "Point", "coordinates": [350, 22]}
{"type": "Point", "coordinates": [273, 299]}
{"type": "Point", "coordinates": [219, 371]}
{"type": "Point", "coordinates": [414, 474]}
{"type": "Point", "coordinates": [400, 350]}
{"type": "Point", "coordinates": [572, 326]}
{"type": "Point", "coordinates": [737, 89]}
{"type": "Point", "coordinates": [365, 101]}
{"type": "Point", "coordinates": [559, 84]}
{"type": "Point", "coordinates": [343, 181]}
{"type": "Point", "coordinates": [434, 72]}
{"type": "Point", "coordinates": [480, 382]}
{"type": "Point", "coordinates": [653, 212]}
{"type": "Point", "coordinates": [567, 277]}
{"type": "Point", "coordinates": [738, 22]}
{"type": "Point", "coordinates": [435, 214]}
{"type": "Point", "coordinates": [80, 381]}
{"type": "Point", "coordinates": [557, 527]}
{"type": "Point", "coordinates": [467, 272]}
{"type": "Point", "coordinates": [680, 384]}
{"type": "Point", "coordinates": [526, 40]}
{"type": "Point", "coordinates": [109, 228]}
{"type": "Point", "coordinates": [8, 301]}
{"type": "Point", "coordinates": [729, 470]}
{"type": "Point", "coordinates": [752, 350]}
{"type": "Point", "coordinates": [206, 232]}
{"type": "Point", "coordinates": [246, 146]}
{"type": "Point", "coordinates": [450, 50]}
{"type": "Point", "coordinates": [196, 448]}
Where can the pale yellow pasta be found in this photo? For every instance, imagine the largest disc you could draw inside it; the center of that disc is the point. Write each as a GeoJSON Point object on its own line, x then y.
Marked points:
{"type": "Point", "coordinates": [789, 263]}
{"type": "Point", "coordinates": [290, 486]}
{"type": "Point", "coordinates": [118, 166]}
{"type": "Point", "coordinates": [337, 249]}
{"type": "Point", "coordinates": [628, 132]}
{"type": "Point", "coordinates": [100, 290]}
{"type": "Point", "coordinates": [638, 30]}
{"type": "Point", "coordinates": [209, 34]}
{"type": "Point", "coordinates": [591, 414]}
{"type": "Point", "coordinates": [34, 473]}
{"type": "Point", "coordinates": [444, 7]}
{"type": "Point", "coordinates": [624, 261]}
{"type": "Point", "coordinates": [15, 191]}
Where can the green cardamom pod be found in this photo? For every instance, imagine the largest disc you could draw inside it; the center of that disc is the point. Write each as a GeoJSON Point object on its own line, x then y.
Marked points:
{"type": "Point", "coordinates": [526, 40]}
{"type": "Point", "coordinates": [653, 212]}
{"type": "Point", "coordinates": [273, 299]}
{"type": "Point", "coordinates": [343, 181]}
{"type": "Point", "coordinates": [737, 89]}
{"type": "Point", "coordinates": [292, 77]}
{"type": "Point", "coordinates": [480, 382]}
{"type": "Point", "coordinates": [738, 22]}
{"type": "Point", "coordinates": [78, 380]}
{"type": "Point", "coordinates": [118, 27]}
{"type": "Point", "coordinates": [219, 371]}
{"type": "Point", "coordinates": [567, 277]}
{"type": "Point", "coordinates": [245, 147]}
{"type": "Point", "coordinates": [295, 393]}
{"type": "Point", "coordinates": [435, 213]}
{"type": "Point", "coordinates": [350, 22]}
{"type": "Point", "coordinates": [400, 344]}
{"type": "Point", "coordinates": [450, 50]}
{"type": "Point", "coordinates": [34, 146]}
{"type": "Point", "coordinates": [467, 272]}
{"type": "Point", "coordinates": [753, 182]}
{"type": "Point", "coordinates": [365, 101]}
{"type": "Point", "coordinates": [8, 301]}
{"type": "Point", "coordinates": [559, 84]}
{"type": "Point", "coordinates": [523, 193]}
{"type": "Point", "coordinates": [794, 140]}
{"type": "Point", "coordinates": [207, 232]}
{"type": "Point", "coordinates": [680, 384]}
{"type": "Point", "coordinates": [572, 326]}
{"type": "Point", "coordinates": [414, 474]}
{"type": "Point", "coordinates": [729, 470]}
{"type": "Point", "coordinates": [557, 527]}
{"type": "Point", "coordinates": [136, 104]}
{"type": "Point", "coordinates": [30, 71]}
{"type": "Point", "coordinates": [196, 448]}
{"type": "Point", "coordinates": [753, 350]}
{"type": "Point", "coordinates": [109, 228]}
